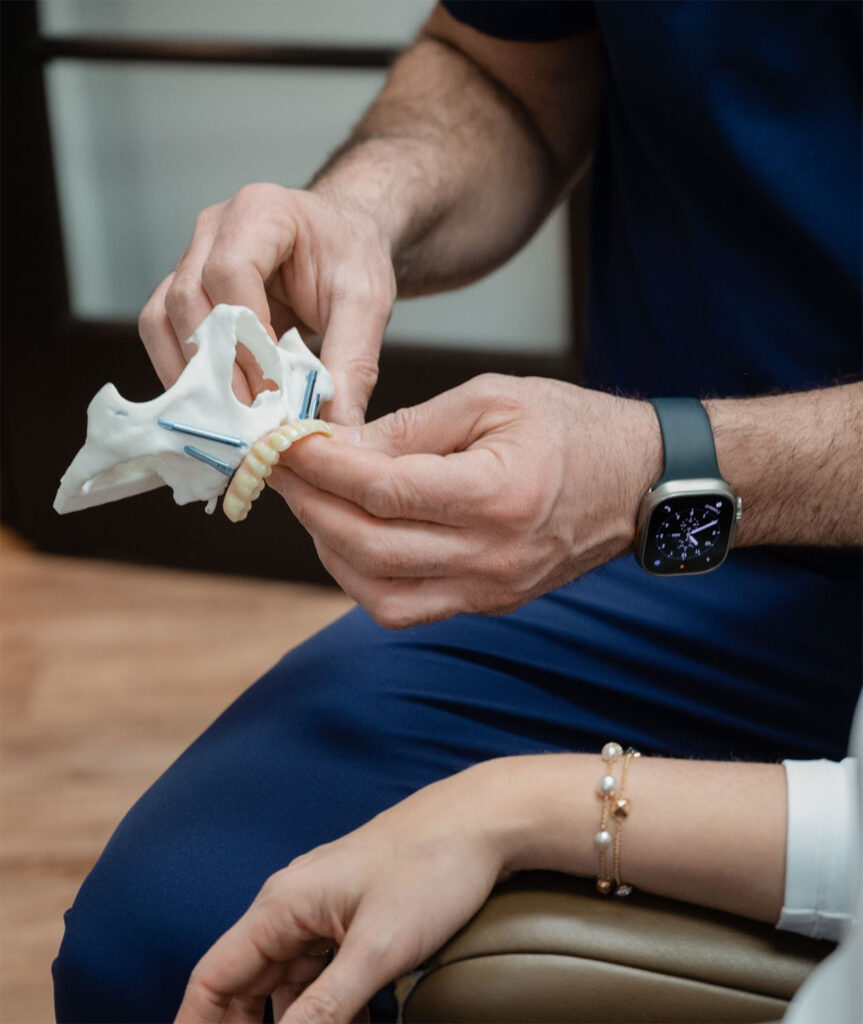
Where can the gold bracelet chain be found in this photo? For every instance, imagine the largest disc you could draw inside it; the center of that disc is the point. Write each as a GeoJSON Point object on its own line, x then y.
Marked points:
{"type": "Point", "coordinates": [616, 805]}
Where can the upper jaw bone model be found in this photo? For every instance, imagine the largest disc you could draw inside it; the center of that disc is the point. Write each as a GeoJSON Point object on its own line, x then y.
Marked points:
{"type": "Point", "coordinates": [198, 437]}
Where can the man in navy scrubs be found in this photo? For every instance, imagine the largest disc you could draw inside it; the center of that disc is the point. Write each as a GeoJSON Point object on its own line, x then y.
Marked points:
{"type": "Point", "coordinates": [725, 267]}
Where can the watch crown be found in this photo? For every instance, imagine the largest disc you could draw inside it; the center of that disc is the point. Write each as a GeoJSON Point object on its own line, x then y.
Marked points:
{"type": "Point", "coordinates": [738, 514]}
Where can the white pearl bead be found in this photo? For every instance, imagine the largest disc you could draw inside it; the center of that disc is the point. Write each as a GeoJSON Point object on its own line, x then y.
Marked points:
{"type": "Point", "coordinates": [602, 839]}
{"type": "Point", "coordinates": [612, 750]}
{"type": "Point", "coordinates": [607, 785]}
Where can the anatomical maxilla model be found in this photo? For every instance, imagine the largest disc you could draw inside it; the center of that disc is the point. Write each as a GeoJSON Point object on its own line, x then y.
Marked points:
{"type": "Point", "coordinates": [198, 437]}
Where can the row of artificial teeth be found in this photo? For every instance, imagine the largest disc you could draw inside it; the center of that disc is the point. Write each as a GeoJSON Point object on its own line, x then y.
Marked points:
{"type": "Point", "coordinates": [248, 482]}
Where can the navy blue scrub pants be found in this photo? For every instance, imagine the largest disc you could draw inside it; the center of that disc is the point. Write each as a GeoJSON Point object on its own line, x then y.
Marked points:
{"type": "Point", "coordinates": [760, 660]}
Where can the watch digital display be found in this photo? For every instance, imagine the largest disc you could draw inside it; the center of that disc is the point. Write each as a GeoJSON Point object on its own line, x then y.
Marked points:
{"type": "Point", "coordinates": [687, 534]}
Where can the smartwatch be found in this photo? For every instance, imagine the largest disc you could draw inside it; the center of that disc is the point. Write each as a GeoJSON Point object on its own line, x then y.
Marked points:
{"type": "Point", "coordinates": [688, 519]}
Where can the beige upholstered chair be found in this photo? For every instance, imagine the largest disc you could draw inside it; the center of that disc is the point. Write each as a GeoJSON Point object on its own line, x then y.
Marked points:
{"type": "Point", "coordinates": [546, 949]}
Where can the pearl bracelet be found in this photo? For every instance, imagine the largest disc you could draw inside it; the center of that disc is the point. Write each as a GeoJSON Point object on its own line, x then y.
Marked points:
{"type": "Point", "coordinates": [616, 805]}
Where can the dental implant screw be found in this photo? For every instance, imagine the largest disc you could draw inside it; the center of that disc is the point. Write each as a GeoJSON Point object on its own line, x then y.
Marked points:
{"type": "Point", "coordinates": [210, 435]}
{"type": "Point", "coordinates": [208, 460]}
{"type": "Point", "coordinates": [311, 380]}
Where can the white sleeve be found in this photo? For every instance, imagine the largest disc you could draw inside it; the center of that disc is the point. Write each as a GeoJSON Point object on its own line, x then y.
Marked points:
{"type": "Point", "coordinates": [823, 853]}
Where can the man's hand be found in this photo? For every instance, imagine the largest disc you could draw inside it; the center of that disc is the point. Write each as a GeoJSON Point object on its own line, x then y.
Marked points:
{"type": "Point", "coordinates": [478, 500]}
{"type": "Point", "coordinates": [470, 144]}
{"type": "Point", "coordinates": [388, 895]}
{"type": "Point", "coordinates": [297, 260]}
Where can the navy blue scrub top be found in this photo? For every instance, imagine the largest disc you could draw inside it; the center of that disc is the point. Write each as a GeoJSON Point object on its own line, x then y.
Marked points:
{"type": "Point", "coordinates": [726, 220]}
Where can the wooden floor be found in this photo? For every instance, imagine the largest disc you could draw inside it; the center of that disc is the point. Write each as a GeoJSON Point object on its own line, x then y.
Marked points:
{"type": "Point", "coordinates": [107, 672]}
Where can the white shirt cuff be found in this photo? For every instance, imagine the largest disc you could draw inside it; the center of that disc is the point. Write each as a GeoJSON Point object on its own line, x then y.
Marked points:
{"type": "Point", "coordinates": [823, 847]}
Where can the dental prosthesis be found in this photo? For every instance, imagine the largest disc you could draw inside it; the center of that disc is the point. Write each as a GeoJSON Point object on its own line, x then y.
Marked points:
{"type": "Point", "coordinates": [198, 437]}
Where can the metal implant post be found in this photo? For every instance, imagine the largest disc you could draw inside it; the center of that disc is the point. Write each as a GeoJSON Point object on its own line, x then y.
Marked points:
{"type": "Point", "coordinates": [210, 435]}
{"type": "Point", "coordinates": [311, 380]}
{"type": "Point", "coordinates": [209, 460]}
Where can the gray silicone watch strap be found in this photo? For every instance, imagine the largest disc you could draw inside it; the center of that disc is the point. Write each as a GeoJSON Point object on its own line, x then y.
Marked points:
{"type": "Point", "coordinates": [687, 438]}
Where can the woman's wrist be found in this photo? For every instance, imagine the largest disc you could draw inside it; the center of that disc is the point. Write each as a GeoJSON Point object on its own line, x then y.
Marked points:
{"type": "Point", "coordinates": [540, 808]}
{"type": "Point", "coordinates": [711, 833]}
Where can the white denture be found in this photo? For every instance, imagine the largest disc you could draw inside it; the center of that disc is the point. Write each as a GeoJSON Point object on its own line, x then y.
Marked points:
{"type": "Point", "coordinates": [248, 481]}
{"type": "Point", "coordinates": [128, 452]}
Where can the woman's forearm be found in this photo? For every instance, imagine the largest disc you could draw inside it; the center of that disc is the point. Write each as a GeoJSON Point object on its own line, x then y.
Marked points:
{"type": "Point", "coordinates": [455, 160]}
{"type": "Point", "coordinates": [394, 890]}
{"type": "Point", "coordinates": [711, 833]}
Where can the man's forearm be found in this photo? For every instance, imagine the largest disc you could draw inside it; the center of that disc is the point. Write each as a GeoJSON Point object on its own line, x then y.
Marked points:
{"type": "Point", "coordinates": [452, 164]}
{"type": "Point", "coordinates": [797, 462]}
{"type": "Point", "coordinates": [449, 168]}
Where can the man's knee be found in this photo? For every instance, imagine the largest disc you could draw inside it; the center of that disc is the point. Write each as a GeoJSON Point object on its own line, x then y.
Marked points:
{"type": "Point", "coordinates": [101, 971]}
{"type": "Point", "coordinates": [129, 944]}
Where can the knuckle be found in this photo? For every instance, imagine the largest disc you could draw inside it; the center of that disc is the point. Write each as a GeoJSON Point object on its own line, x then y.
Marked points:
{"type": "Point", "coordinates": [310, 859]}
{"type": "Point", "coordinates": [363, 368]}
{"type": "Point", "coordinates": [148, 320]}
{"type": "Point", "coordinates": [201, 982]}
{"type": "Point", "coordinates": [503, 606]}
{"type": "Point", "coordinates": [382, 556]}
{"type": "Point", "coordinates": [207, 216]}
{"type": "Point", "coordinates": [488, 597]}
{"type": "Point", "coordinates": [152, 316]}
{"type": "Point", "coordinates": [521, 512]}
{"type": "Point", "coordinates": [399, 427]}
{"type": "Point", "coordinates": [271, 890]}
{"type": "Point", "coordinates": [510, 566]}
{"type": "Point", "coordinates": [199, 977]}
{"type": "Point", "coordinates": [498, 390]}
{"type": "Point", "coordinates": [332, 567]}
{"type": "Point", "coordinates": [488, 384]}
{"type": "Point", "coordinates": [318, 1006]}
{"type": "Point", "coordinates": [376, 291]}
{"type": "Point", "coordinates": [488, 380]}
{"type": "Point", "coordinates": [384, 292]}
{"type": "Point", "coordinates": [247, 192]}
{"type": "Point", "coordinates": [517, 507]}
{"type": "Point", "coordinates": [489, 498]}
{"type": "Point", "coordinates": [366, 559]}
{"type": "Point", "coordinates": [301, 514]}
{"type": "Point", "coordinates": [390, 612]}
{"type": "Point", "coordinates": [218, 270]}
{"type": "Point", "coordinates": [181, 294]}
{"type": "Point", "coordinates": [257, 192]}
{"type": "Point", "coordinates": [385, 946]}
{"type": "Point", "coordinates": [382, 498]}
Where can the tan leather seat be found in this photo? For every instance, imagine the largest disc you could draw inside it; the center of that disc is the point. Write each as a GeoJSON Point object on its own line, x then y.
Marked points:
{"type": "Point", "coordinates": [546, 948]}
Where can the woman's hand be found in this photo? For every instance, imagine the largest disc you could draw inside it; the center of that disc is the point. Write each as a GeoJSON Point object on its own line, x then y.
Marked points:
{"type": "Point", "coordinates": [392, 892]}
{"type": "Point", "coordinates": [387, 895]}
{"type": "Point", "coordinates": [478, 500]}
{"type": "Point", "coordinates": [297, 260]}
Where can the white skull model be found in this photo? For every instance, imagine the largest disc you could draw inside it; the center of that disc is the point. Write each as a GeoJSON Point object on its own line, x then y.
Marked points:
{"type": "Point", "coordinates": [195, 435]}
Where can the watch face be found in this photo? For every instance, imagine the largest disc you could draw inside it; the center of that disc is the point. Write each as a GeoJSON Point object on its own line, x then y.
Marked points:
{"type": "Point", "coordinates": [688, 533]}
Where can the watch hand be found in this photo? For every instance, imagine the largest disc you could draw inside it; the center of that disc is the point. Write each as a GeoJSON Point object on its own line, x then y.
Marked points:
{"type": "Point", "coordinates": [705, 527]}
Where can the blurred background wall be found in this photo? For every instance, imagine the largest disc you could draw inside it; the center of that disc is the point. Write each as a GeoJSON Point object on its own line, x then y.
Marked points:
{"type": "Point", "coordinates": [124, 118]}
